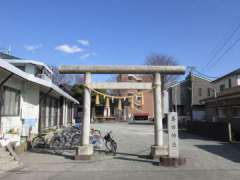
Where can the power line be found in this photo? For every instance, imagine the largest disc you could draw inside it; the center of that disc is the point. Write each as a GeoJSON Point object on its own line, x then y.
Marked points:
{"type": "Point", "coordinates": [207, 76]}
{"type": "Point", "coordinates": [223, 46]}
{"type": "Point", "coordinates": [224, 53]}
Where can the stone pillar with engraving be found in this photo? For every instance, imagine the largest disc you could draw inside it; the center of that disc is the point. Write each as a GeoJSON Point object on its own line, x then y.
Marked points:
{"type": "Point", "coordinates": [173, 148]}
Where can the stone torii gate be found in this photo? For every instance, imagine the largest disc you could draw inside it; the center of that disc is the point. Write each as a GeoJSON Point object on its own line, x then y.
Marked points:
{"type": "Point", "coordinates": [86, 150]}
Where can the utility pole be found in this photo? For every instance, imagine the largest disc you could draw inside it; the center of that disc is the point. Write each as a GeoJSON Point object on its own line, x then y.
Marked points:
{"type": "Point", "coordinates": [191, 69]}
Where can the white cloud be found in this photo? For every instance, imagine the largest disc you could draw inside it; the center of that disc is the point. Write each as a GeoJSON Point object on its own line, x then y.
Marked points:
{"type": "Point", "coordinates": [84, 42]}
{"type": "Point", "coordinates": [69, 49]}
{"type": "Point", "coordinates": [87, 55]}
{"type": "Point", "coordinates": [32, 47]}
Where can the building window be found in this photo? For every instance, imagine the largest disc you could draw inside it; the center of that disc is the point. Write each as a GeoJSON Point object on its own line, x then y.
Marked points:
{"type": "Point", "coordinates": [209, 91]}
{"type": "Point", "coordinates": [11, 99]}
{"type": "Point", "coordinates": [199, 91]}
{"type": "Point", "coordinates": [21, 67]}
{"type": "Point", "coordinates": [222, 87]}
{"type": "Point", "coordinates": [229, 83]}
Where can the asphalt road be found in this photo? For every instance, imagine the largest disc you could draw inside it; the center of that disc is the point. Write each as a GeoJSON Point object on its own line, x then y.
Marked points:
{"type": "Point", "coordinates": [206, 159]}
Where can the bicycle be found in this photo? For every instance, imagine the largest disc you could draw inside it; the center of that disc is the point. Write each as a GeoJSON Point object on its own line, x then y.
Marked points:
{"type": "Point", "coordinates": [67, 138]}
{"type": "Point", "coordinates": [110, 143]}
{"type": "Point", "coordinates": [39, 141]}
{"type": "Point", "coordinates": [96, 138]}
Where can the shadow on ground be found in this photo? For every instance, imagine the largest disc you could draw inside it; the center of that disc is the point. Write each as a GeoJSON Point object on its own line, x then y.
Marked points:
{"type": "Point", "coordinates": [153, 162]}
{"type": "Point", "coordinates": [66, 154]}
{"type": "Point", "coordinates": [225, 150]}
{"type": "Point", "coordinates": [184, 134]}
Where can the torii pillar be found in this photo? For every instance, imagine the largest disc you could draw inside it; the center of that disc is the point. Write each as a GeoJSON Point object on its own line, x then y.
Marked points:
{"type": "Point", "coordinates": [158, 149]}
{"type": "Point", "coordinates": [85, 151]}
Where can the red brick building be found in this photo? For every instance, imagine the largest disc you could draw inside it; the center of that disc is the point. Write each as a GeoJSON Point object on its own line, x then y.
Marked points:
{"type": "Point", "coordinates": [148, 106]}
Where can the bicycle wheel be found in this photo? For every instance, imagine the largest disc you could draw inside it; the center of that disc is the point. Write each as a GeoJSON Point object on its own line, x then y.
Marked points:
{"type": "Point", "coordinates": [76, 140]}
{"type": "Point", "coordinates": [108, 145]}
{"type": "Point", "coordinates": [38, 142]}
{"type": "Point", "coordinates": [111, 146]}
{"type": "Point", "coordinates": [114, 147]}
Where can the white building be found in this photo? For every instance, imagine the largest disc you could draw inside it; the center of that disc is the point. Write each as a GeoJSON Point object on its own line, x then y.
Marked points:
{"type": "Point", "coordinates": [29, 101]}
{"type": "Point", "coordinates": [229, 80]}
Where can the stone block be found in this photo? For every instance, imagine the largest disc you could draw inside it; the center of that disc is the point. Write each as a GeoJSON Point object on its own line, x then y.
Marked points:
{"type": "Point", "coordinates": [158, 151]}
{"type": "Point", "coordinates": [84, 152]}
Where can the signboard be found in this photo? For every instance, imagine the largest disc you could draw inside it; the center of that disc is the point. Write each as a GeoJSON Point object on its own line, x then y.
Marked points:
{"type": "Point", "coordinates": [173, 135]}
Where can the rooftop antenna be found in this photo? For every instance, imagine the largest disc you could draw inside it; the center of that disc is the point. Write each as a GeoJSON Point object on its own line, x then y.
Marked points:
{"type": "Point", "coordinates": [9, 49]}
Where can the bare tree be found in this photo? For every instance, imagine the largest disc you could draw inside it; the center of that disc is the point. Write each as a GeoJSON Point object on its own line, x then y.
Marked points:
{"type": "Point", "coordinates": [162, 60]}
{"type": "Point", "coordinates": [59, 79]}
{"type": "Point", "coordinates": [69, 79]}
{"type": "Point", "coordinates": [79, 79]}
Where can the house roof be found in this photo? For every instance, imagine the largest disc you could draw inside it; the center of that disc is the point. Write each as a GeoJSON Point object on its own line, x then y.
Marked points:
{"type": "Point", "coordinates": [26, 61]}
{"type": "Point", "coordinates": [29, 77]}
{"type": "Point", "coordinates": [235, 72]}
{"type": "Point", "coordinates": [201, 77]}
{"type": "Point", "coordinates": [7, 56]}
{"type": "Point", "coordinates": [182, 81]}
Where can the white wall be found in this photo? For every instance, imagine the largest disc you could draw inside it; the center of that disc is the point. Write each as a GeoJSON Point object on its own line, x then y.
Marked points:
{"type": "Point", "coordinates": [10, 122]}
{"type": "Point", "coordinates": [30, 105]}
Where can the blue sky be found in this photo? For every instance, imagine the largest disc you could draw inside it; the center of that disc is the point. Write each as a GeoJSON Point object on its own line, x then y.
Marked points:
{"type": "Point", "coordinates": [121, 31]}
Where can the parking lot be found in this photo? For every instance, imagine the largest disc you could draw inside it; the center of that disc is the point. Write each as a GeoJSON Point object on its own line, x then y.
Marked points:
{"type": "Point", "coordinates": [206, 159]}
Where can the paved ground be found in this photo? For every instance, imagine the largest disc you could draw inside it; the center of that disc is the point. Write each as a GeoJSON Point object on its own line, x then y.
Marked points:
{"type": "Point", "coordinates": [205, 160]}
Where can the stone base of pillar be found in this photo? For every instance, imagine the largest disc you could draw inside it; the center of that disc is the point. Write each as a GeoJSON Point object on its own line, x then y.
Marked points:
{"type": "Point", "coordinates": [84, 152]}
{"type": "Point", "coordinates": [158, 151]}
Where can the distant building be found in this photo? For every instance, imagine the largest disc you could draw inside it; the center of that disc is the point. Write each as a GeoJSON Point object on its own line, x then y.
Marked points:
{"type": "Point", "coordinates": [229, 80]}
{"type": "Point", "coordinates": [147, 108]}
{"type": "Point", "coordinates": [225, 107]}
{"type": "Point", "coordinates": [185, 97]}
{"type": "Point", "coordinates": [29, 101]}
